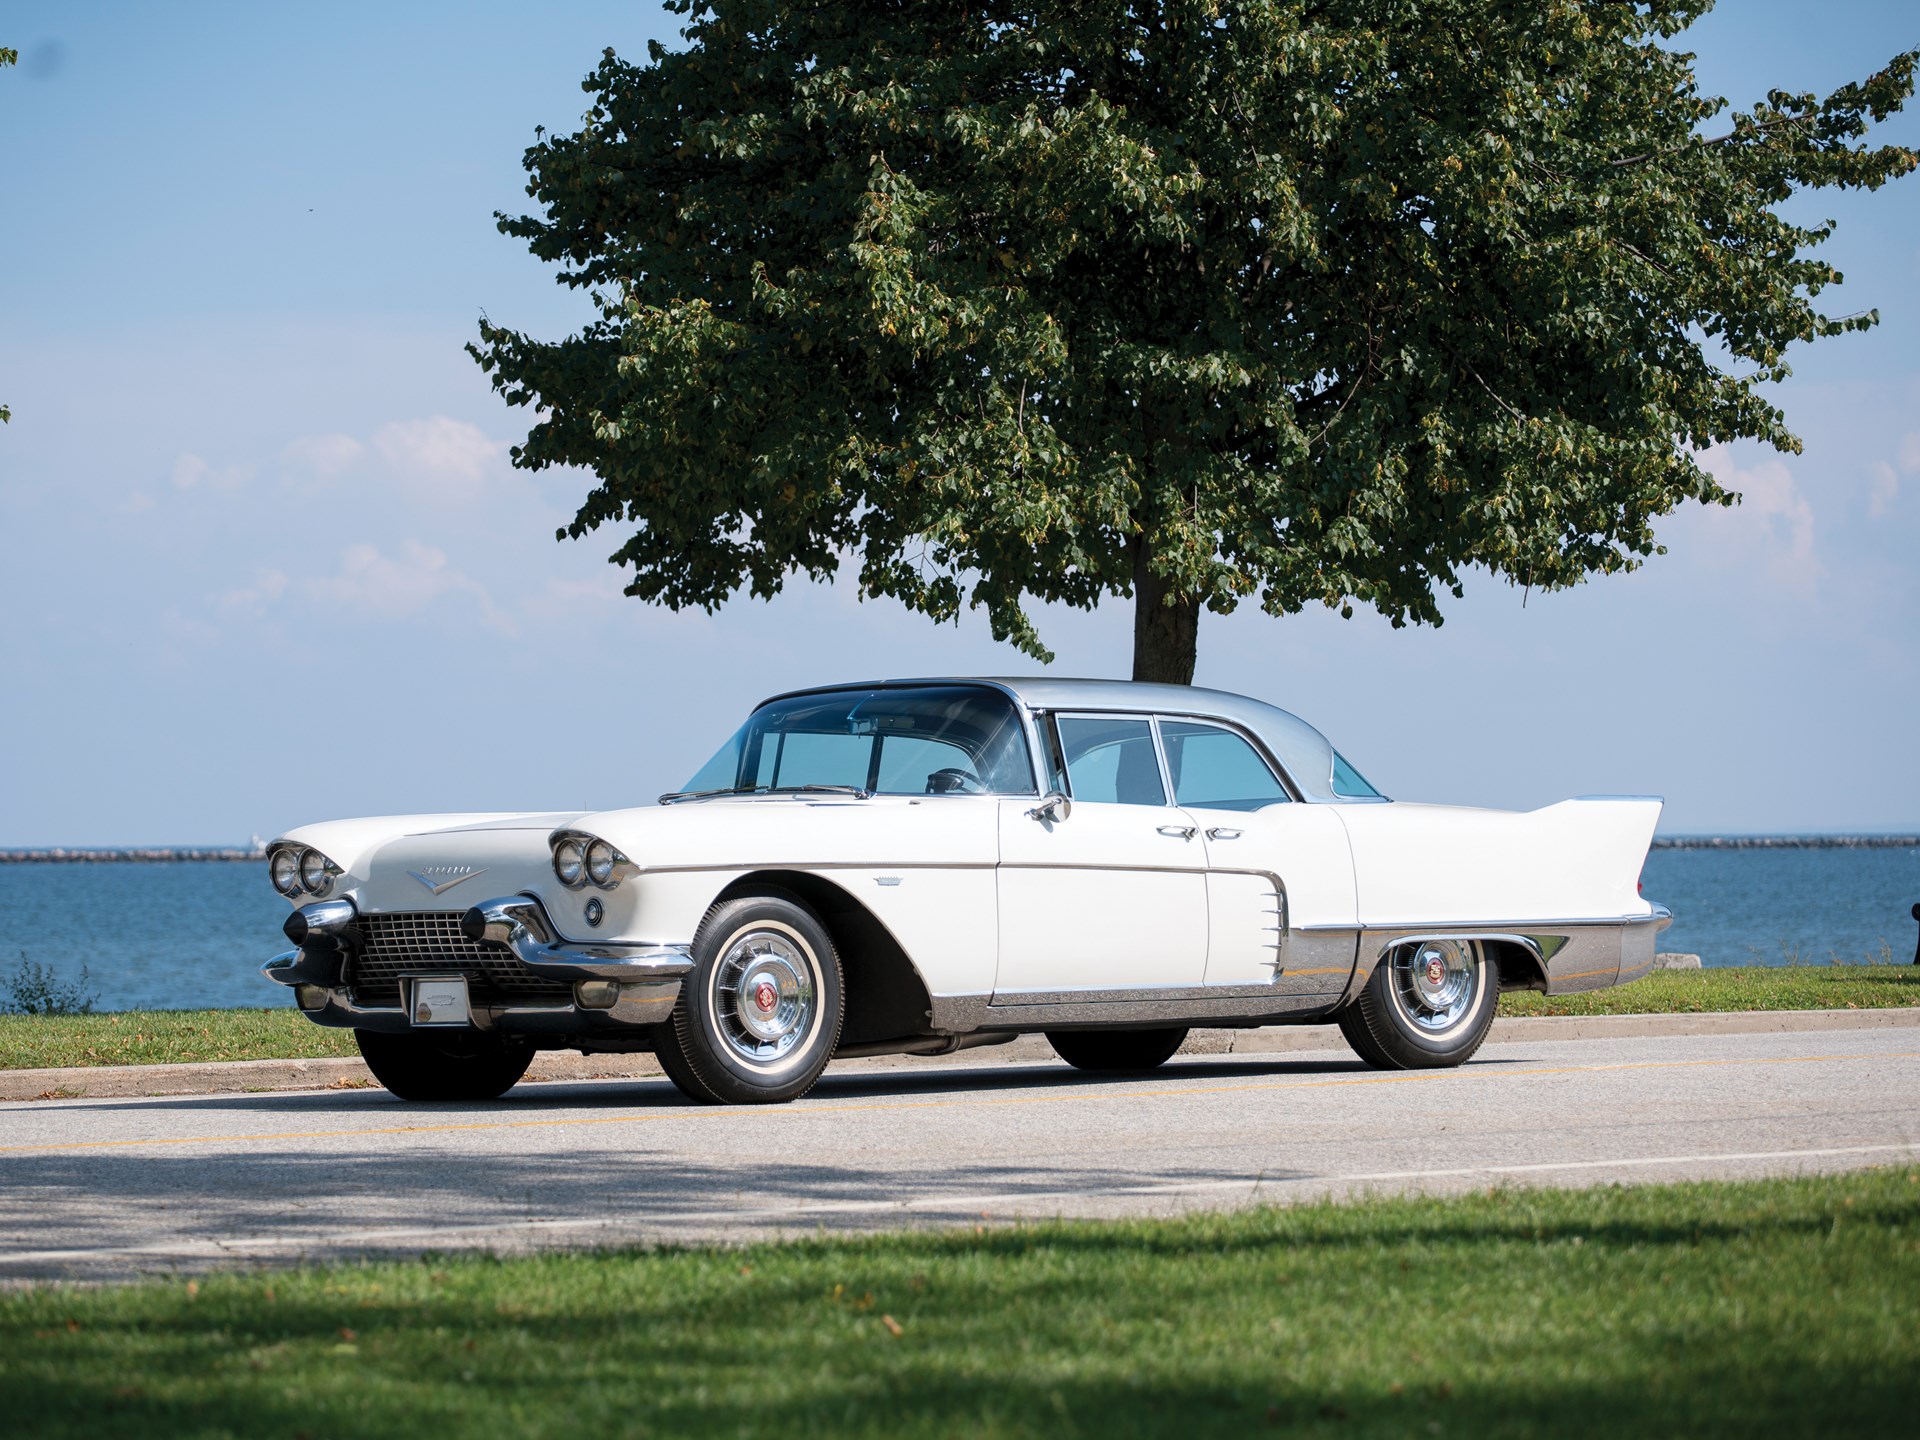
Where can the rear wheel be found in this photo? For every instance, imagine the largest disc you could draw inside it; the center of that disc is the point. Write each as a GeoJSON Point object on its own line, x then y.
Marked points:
{"type": "Point", "coordinates": [1109, 1050]}
{"type": "Point", "coordinates": [452, 1065]}
{"type": "Point", "coordinates": [1428, 1006]}
{"type": "Point", "coordinates": [759, 1014]}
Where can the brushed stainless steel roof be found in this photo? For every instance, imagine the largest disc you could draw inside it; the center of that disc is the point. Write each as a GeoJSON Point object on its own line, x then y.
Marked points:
{"type": "Point", "coordinates": [1305, 754]}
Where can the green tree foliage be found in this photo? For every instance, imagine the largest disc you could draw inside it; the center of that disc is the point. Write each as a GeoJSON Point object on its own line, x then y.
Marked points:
{"type": "Point", "coordinates": [1203, 301]}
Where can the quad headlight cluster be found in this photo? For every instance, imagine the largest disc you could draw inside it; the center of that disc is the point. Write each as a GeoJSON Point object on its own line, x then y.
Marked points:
{"type": "Point", "coordinates": [583, 860]}
{"type": "Point", "coordinates": [301, 870]}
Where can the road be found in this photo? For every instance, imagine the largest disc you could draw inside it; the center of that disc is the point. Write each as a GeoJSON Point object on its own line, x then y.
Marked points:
{"type": "Point", "coordinates": [103, 1189]}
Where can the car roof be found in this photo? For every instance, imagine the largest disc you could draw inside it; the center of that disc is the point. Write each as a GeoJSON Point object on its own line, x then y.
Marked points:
{"type": "Point", "coordinates": [1305, 754]}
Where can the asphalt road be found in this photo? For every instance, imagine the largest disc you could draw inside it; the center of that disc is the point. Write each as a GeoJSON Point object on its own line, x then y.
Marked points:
{"type": "Point", "coordinates": [101, 1189]}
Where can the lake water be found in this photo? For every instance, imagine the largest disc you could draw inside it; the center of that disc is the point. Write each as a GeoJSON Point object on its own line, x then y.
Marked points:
{"type": "Point", "coordinates": [181, 936]}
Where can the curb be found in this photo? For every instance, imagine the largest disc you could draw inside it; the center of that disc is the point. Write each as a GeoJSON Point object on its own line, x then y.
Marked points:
{"type": "Point", "coordinates": [253, 1076]}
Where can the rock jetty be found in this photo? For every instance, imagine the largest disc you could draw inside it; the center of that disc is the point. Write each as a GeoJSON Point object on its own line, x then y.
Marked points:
{"type": "Point", "coordinates": [162, 856]}
{"type": "Point", "coordinates": [1786, 842]}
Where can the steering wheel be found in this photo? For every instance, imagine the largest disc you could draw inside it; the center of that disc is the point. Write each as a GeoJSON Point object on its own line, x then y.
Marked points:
{"type": "Point", "coordinates": [955, 781]}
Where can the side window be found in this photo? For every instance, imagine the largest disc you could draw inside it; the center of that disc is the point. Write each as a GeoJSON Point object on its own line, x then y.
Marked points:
{"type": "Point", "coordinates": [1217, 769]}
{"type": "Point", "coordinates": [1111, 761]}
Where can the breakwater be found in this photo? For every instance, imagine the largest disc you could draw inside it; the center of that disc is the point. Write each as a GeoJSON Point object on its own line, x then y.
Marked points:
{"type": "Point", "coordinates": [148, 855]}
{"type": "Point", "coordinates": [1786, 842]}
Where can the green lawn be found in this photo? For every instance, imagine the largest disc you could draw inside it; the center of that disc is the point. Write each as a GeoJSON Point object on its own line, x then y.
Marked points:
{"type": "Point", "coordinates": [164, 1037]}
{"type": "Point", "coordinates": [1747, 987]}
{"type": "Point", "coordinates": [158, 1037]}
{"type": "Point", "coordinates": [1775, 1308]}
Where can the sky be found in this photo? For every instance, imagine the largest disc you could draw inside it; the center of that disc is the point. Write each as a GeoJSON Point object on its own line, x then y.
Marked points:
{"type": "Point", "coordinates": [266, 562]}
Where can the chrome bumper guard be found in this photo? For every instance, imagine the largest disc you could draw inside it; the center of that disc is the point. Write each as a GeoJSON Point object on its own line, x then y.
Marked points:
{"type": "Point", "coordinates": [646, 977]}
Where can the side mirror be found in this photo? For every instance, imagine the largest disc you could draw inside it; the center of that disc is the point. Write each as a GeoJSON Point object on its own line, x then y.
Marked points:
{"type": "Point", "coordinates": [1054, 807]}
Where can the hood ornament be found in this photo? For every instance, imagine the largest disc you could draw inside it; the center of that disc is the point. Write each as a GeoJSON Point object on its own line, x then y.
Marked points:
{"type": "Point", "coordinates": [441, 878]}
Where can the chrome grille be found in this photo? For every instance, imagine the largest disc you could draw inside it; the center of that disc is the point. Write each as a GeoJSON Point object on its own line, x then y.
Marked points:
{"type": "Point", "coordinates": [421, 942]}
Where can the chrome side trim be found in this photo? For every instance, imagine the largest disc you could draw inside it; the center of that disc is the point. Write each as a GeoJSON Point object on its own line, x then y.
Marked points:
{"type": "Point", "coordinates": [1573, 955]}
{"type": "Point", "coordinates": [520, 923]}
{"type": "Point", "coordinates": [1096, 995]}
{"type": "Point", "coordinates": [963, 1014]}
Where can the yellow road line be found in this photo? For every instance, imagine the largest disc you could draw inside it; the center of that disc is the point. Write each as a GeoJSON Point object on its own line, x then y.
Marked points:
{"type": "Point", "coordinates": [848, 1107]}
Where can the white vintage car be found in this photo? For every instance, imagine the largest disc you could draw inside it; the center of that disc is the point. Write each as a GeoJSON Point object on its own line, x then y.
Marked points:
{"type": "Point", "coordinates": [918, 866]}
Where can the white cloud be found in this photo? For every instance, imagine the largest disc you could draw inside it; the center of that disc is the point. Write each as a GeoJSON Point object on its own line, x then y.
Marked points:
{"type": "Point", "coordinates": [190, 472]}
{"type": "Point", "coordinates": [1885, 487]}
{"type": "Point", "coordinates": [1772, 526]}
{"type": "Point", "coordinates": [268, 586]}
{"type": "Point", "coordinates": [322, 455]}
{"type": "Point", "coordinates": [380, 587]}
{"type": "Point", "coordinates": [439, 449]}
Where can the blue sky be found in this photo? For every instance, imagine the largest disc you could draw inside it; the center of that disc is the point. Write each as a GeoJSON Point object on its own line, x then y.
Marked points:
{"type": "Point", "coordinates": [266, 562]}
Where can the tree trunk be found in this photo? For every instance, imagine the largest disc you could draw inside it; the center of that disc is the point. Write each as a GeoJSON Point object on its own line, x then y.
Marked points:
{"type": "Point", "coordinates": [1165, 634]}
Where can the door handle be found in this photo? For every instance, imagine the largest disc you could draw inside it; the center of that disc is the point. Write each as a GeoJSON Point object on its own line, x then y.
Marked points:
{"type": "Point", "coordinates": [1180, 832]}
{"type": "Point", "coordinates": [1221, 832]}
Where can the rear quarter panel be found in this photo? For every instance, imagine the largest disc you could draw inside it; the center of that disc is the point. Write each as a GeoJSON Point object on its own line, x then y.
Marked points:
{"type": "Point", "coordinates": [1448, 865]}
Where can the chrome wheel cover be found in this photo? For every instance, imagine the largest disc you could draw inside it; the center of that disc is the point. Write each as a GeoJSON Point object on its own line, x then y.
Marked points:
{"type": "Point", "coordinates": [1437, 986]}
{"type": "Point", "coordinates": [764, 996]}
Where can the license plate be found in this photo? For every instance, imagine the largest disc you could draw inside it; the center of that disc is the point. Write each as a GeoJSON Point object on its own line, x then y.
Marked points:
{"type": "Point", "coordinates": [440, 1000]}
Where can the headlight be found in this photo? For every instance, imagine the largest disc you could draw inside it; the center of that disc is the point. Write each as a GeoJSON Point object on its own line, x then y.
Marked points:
{"type": "Point", "coordinates": [601, 858]}
{"type": "Point", "coordinates": [284, 868]}
{"type": "Point", "coordinates": [317, 872]}
{"type": "Point", "coordinates": [570, 862]}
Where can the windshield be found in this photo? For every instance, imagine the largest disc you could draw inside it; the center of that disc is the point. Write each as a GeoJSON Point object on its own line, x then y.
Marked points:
{"type": "Point", "coordinates": [923, 740]}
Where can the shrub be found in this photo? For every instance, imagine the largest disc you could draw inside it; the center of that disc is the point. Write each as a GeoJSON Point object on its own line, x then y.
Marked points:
{"type": "Point", "coordinates": [34, 989]}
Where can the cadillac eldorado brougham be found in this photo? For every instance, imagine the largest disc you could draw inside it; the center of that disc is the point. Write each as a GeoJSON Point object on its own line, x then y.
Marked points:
{"type": "Point", "coordinates": [919, 866]}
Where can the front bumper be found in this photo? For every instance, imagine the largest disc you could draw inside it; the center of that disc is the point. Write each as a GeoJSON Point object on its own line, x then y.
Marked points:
{"type": "Point", "coordinates": [645, 977]}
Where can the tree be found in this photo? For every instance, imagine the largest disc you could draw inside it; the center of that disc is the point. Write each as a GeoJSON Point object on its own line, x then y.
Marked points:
{"type": "Point", "coordinates": [1202, 301]}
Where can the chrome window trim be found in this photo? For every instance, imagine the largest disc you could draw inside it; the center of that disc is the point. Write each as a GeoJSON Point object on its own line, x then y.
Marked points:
{"type": "Point", "coordinates": [1042, 694]}
{"type": "Point", "coordinates": [1159, 759]}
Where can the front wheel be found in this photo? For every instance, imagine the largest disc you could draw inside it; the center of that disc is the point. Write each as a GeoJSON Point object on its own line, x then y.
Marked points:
{"type": "Point", "coordinates": [1428, 1006]}
{"type": "Point", "coordinates": [452, 1065]}
{"type": "Point", "coordinates": [759, 1014]}
{"type": "Point", "coordinates": [1111, 1050]}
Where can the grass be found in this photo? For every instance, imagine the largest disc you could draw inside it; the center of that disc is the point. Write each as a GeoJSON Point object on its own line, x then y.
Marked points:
{"type": "Point", "coordinates": [1779, 1307]}
{"type": "Point", "coordinates": [1746, 987]}
{"type": "Point", "coordinates": [162, 1037]}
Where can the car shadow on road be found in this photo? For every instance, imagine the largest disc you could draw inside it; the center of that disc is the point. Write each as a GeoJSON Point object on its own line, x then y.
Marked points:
{"type": "Point", "coordinates": [657, 1092]}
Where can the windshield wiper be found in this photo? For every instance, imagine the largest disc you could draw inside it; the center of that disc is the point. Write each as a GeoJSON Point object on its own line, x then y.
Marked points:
{"type": "Point", "coordinates": [828, 790]}
{"type": "Point", "coordinates": [673, 795]}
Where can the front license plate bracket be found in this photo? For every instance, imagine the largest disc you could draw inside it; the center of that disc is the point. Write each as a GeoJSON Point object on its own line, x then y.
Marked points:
{"type": "Point", "coordinates": [438, 1000]}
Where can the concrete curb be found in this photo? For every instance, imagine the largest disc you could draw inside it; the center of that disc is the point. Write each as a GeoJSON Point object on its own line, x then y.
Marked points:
{"type": "Point", "coordinates": [246, 1076]}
